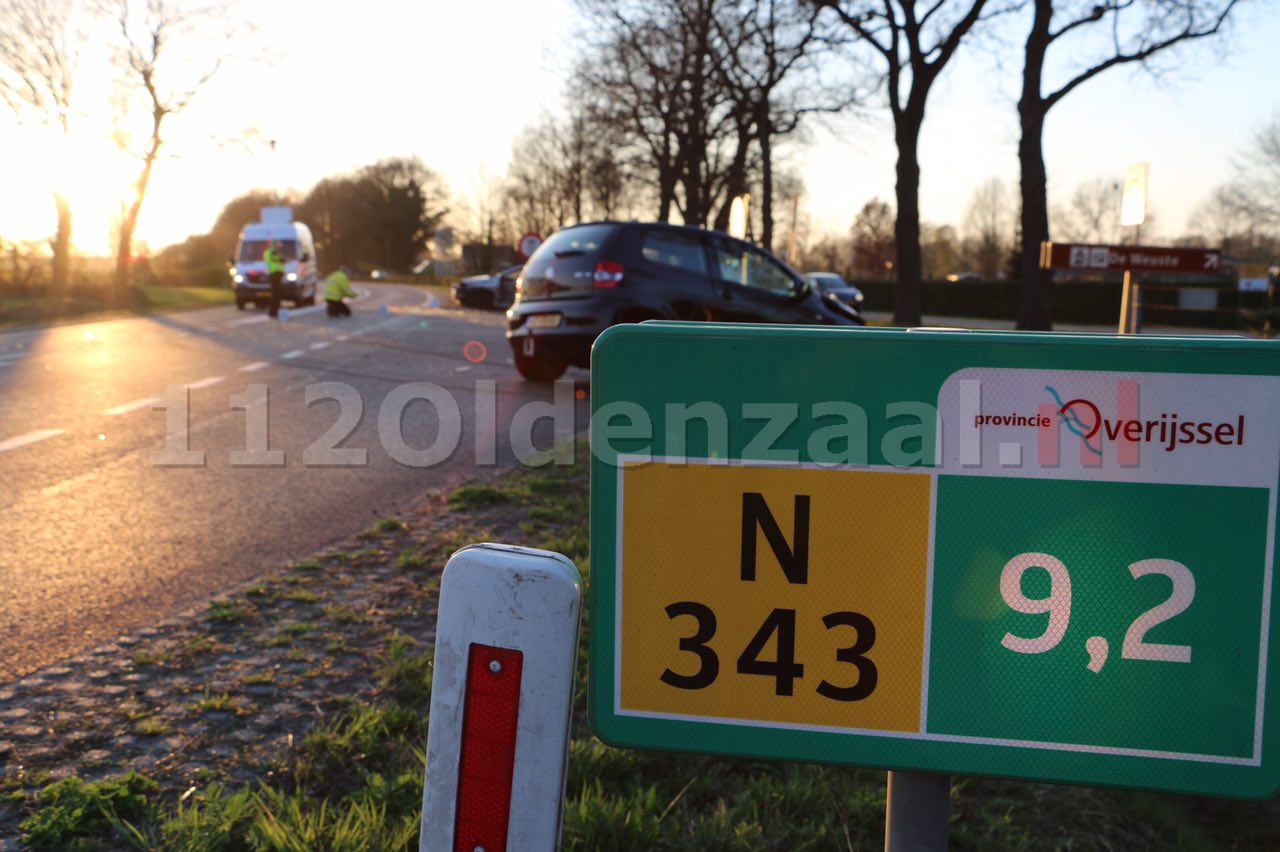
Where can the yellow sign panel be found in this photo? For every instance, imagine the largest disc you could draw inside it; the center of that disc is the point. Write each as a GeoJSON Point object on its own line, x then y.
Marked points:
{"type": "Point", "coordinates": [783, 595]}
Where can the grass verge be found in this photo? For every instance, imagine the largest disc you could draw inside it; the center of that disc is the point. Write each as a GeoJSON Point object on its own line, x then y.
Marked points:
{"type": "Point", "coordinates": [15, 309]}
{"type": "Point", "coordinates": [355, 781]}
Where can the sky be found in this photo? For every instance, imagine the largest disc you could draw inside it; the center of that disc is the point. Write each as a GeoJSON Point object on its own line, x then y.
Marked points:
{"type": "Point", "coordinates": [453, 83]}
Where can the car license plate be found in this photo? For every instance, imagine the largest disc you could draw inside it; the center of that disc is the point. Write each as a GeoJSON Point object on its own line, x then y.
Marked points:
{"type": "Point", "coordinates": [527, 349]}
{"type": "Point", "coordinates": [544, 321]}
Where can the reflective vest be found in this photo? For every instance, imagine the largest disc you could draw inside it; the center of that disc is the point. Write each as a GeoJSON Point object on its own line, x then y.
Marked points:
{"type": "Point", "coordinates": [275, 261]}
{"type": "Point", "coordinates": [336, 286]}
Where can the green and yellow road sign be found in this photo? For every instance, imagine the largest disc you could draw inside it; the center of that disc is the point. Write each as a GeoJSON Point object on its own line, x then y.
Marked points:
{"type": "Point", "coordinates": [1038, 556]}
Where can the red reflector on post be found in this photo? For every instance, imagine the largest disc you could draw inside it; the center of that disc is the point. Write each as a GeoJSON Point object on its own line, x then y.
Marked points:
{"type": "Point", "coordinates": [491, 709]}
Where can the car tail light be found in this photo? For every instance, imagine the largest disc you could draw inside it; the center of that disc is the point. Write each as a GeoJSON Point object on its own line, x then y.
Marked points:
{"type": "Point", "coordinates": [608, 274]}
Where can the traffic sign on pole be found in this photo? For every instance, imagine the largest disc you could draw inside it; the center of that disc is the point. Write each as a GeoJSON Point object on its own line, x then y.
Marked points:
{"type": "Point", "coordinates": [1026, 555]}
{"type": "Point", "coordinates": [1086, 258]}
{"type": "Point", "coordinates": [528, 244]}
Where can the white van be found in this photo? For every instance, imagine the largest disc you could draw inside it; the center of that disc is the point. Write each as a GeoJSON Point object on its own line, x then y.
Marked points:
{"type": "Point", "coordinates": [249, 270]}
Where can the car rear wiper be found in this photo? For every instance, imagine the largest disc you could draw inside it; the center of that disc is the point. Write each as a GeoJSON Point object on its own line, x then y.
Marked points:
{"type": "Point", "coordinates": [571, 253]}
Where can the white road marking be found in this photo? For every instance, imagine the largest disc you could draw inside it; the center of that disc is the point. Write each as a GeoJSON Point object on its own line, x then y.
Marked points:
{"type": "Point", "coordinates": [146, 402]}
{"type": "Point", "coordinates": [68, 484]}
{"type": "Point", "coordinates": [343, 337]}
{"type": "Point", "coordinates": [204, 383]}
{"type": "Point", "coordinates": [248, 320]}
{"type": "Point", "coordinates": [254, 367]}
{"type": "Point", "coordinates": [321, 345]}
{"type": "Point", "coordinates": [292, 353]}
{"type": "Point", "coordinates": [29, 438]}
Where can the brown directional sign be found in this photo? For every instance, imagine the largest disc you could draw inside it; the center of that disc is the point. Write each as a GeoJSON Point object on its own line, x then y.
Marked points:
{"type": "Point", "coordinates": [1134, 258]}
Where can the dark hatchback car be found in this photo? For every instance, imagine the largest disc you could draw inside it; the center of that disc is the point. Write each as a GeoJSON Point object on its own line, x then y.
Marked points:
{"type": "Point", "coordinates": [588, 277]}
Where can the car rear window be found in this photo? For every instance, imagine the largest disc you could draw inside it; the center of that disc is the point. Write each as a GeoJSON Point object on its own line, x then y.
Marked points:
{"type": "Point", "coordinates": [563, 265]}
{"type": "Point", "coordinates": [672, 248]}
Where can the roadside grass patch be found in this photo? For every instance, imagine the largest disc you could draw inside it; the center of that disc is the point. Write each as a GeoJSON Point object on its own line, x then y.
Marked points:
{"type": "Point", "coordinates": [389, 525]}
{"type": "Point", "coordinates": [223, 702]}
{"type": "Point", "coordinates": [477, 497]}
{"type": "Point", "coordinates": [298, 594]}
{"type": "Point", "coordinates": [343, 614]}
{"type": "Point", "coordinates": [410, 558]}
{"type": "Point", "coordinates": [79, 815]}
{"type": "Point", "coordinates": [151, 727]}
{"type": "Point", "coordinates": [308, 565]}
{"type": "Point", "coordinates": [204, 644]}
{"type": "Point", "coordinates": [225, 611]}
{"type": "Point", "coordinates": [542, 485]}
{"type": "Point", "coordinates": [145, 657]}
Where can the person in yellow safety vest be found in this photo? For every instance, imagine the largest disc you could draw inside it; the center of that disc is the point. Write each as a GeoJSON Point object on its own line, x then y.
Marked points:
{"type": "Point", "coordinates": [336, 286]}
{"type": "Point", "coordinates": [275, 274]}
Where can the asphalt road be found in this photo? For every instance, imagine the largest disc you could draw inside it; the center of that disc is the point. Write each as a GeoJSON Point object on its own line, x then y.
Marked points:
{"type": "Point", "coordinates": [108, 523]}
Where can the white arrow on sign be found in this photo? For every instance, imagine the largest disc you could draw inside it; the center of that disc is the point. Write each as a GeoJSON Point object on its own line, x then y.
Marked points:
{"type": "Point", "coordinates": [1211, 261]}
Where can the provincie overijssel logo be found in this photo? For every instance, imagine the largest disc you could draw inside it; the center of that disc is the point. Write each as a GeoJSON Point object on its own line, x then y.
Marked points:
{"type": "Point", "coordinates": [1127, 430]}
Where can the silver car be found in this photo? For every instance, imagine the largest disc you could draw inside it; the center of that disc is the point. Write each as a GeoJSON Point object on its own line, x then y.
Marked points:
{"type": "Point", "coordinates": [497, 290]}
{"type": "Point", "coordinates": [833, 286]}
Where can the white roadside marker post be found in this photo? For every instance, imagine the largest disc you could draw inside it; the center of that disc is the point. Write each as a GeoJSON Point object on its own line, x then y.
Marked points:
{"type": "Point", "coordinates": [501, 701]}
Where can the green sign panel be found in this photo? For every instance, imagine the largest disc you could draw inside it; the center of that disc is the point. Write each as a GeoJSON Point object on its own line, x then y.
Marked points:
{"type": "Point", "coordinates": [1037, 556]}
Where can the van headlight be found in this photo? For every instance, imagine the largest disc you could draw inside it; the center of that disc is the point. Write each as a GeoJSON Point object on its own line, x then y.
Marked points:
{"type": "Point", "coordinates": [292, 276]}
{"type": "Point", "coordinates": [237, 278]}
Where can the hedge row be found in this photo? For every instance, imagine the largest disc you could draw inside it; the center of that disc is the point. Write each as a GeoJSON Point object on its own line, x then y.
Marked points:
{"type": "Point", "coordinates": [1076, 302]}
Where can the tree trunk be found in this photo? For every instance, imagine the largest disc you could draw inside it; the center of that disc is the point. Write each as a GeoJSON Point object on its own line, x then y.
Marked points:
{"type": "Point", "coordinates": [908, 307]}
{"type": "Point", "coordinates": [1035, 308]}
{"type": "Point", "coordinates": [62, 246]}
{"type": "Point", "coordinates": [125, 248]}
{"type": "Point", "coordinates": [666, 195]}
{"type": "Point", "coordinates": [736, 178]}
{"type": "Point", "coordinates": [765, 133]}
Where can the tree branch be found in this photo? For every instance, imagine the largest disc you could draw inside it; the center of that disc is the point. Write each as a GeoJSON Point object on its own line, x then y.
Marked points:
{"type": "Point", "coordinates": [1140, 55]}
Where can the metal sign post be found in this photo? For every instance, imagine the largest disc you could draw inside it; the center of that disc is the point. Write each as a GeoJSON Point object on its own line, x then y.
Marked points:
{"type": "Point", "coordinates": [1037, 556]}
{"type": "Point", "coordinates": [1130, 304]}
{"type": "Point", "coordinates": [917, 812]}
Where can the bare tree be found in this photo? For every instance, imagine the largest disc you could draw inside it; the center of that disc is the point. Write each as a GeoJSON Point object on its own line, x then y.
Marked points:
{"type": "Point", "coordinates": [874, 243]}
{"type": "Point", "coordinates": [1134, 33]}
{"type": "Point", "coordinates": [915, 44]}
{"type": "Point", "coordinates": [1257, 186]}
{"type": "Point", "coordinates": [989, 225]}
{"type": "Point", "coordinates": [652, 76]}
{"type": "Point", "coordinates": [939, 249]}
{"type": "Point", "coordinates": [39, 50]}
{"type": "Point", "coordinates": [1093, 214]}
{"type": "Point", "coordinates": [154, 39]}
{"type": "Point", "coordinates": [771, 50]}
